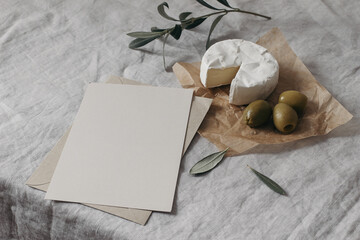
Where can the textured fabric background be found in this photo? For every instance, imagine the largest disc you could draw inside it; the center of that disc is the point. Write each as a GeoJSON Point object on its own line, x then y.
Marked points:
{"type": "Point", "coordinates": [50, 51]}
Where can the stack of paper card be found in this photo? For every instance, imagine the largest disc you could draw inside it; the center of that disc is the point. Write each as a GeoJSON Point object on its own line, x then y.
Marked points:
{"type": "Point", "coordinates": [124, 149]}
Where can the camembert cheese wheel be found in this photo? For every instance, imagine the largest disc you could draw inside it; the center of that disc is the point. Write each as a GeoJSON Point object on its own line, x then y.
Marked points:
{"type": "Point", "coordinates": [250, 69]}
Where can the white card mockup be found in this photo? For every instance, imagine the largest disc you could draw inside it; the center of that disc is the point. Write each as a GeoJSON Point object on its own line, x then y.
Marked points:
{"type": "Point", "coordinates": [124, 148]}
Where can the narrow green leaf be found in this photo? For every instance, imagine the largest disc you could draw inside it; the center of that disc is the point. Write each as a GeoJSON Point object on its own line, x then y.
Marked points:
{"type": "Point", "coordinates": [208, 163]}
{"type": "Point", "coordinates": [225, 3]}
{"type": "Point", "coordinates": [213, 25]}
{"type": "Point", "coordinates": [176, 33]}
{"type": "Point", "coordinates": [202, 2]}
{"type": "Point", "coordinates": [184, 15]}
{"type": "Point", "coordinates": [270, 183]}
{"type": "Point", "coordinates": [139, 42]}
{"type": "Point", "coordinates": [155, 29]}
{"type": "Point", "coordinates": [161, 10]}
{"type": "Point", "coordinates": [144, 34]}
{"type": "Point", "coordinates": [193, 22]}
{"type": "Point", "coordinates": [165, 39]}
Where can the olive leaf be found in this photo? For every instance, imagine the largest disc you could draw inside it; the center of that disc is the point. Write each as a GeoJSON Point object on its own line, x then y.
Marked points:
{"type": "Point", "coordinates": [155, 29]}
{"type": "Point", "coordinates": [213, 25]}
{"type": "Point", "coordinates": [139, 42]}
{"type": "Point", "coordinates": [184, 15]}
{"type": "Point", "coordinates": [176, 32]}
{"type": "Point", "coordinates": [145, 34]}
{"type": "Point", "coordinates": [208, 163]}
{"type": "Point", "coordinates": [202, 2]}
{"type": "Point", "coordinates": [270, 183]}
{"type": "Point", "coordinates": [161, 10]}
{"type": "Point", "coordinates": [194, 22]}
{"type": "Point", "coordinates": [225, 3]}
{"type": "Point", "coordinates": [165, 39]}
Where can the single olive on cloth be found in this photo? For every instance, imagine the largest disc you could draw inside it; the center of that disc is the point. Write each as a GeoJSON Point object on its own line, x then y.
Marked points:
{"type": "Point", "coordinates": [294, 99]}
{"type": "Point", "coordinates": [257, 113]}
{"type": "Point", "coordinates": [285, 118]}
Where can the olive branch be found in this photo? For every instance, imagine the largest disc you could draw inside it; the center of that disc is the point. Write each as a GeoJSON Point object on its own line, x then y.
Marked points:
{"type": "Point", "coordinates": [185, 22]}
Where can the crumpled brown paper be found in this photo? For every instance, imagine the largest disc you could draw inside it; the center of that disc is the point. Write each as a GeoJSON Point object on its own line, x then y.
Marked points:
{"type": "Point", "coordinates": [222, 125]}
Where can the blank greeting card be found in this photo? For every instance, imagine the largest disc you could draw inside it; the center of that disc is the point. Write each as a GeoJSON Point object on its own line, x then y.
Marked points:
{"type": "Point", "coordinates": [124, 148]}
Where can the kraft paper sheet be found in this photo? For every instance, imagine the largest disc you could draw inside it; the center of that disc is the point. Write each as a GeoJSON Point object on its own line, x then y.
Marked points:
{"type": "Point", "coordinates": [222, 125]}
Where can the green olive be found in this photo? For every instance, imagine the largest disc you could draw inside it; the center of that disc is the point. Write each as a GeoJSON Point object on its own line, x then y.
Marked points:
{"type": "Point", "coordinates": [294, 99]}
{"type": "Point", "coordinates": [257, 113]}
{"type": "Point", "coordinates": [285, 118]}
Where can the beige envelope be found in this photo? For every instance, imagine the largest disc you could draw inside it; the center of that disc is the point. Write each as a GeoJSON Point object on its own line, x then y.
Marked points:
{"type": "Point", "coordinates": [41, 177]}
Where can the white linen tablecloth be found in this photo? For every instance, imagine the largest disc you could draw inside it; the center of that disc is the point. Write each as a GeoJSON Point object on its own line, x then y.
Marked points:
{"type": "Point", "coordinates": [51, 50]}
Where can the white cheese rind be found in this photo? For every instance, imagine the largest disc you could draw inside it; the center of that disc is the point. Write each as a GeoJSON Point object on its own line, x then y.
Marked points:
{"type": "Point", "coordinates": [256, 78]}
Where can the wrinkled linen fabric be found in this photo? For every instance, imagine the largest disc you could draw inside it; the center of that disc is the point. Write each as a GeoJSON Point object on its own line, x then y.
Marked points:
{"type": "Point", "coordinates": [51, 50]}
